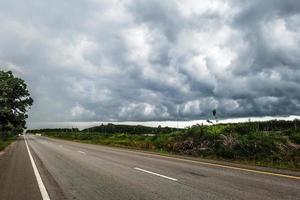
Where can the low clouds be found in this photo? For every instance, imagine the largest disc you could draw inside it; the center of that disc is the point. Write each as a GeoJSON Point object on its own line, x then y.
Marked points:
{"type": "Point", "coordinates": [79, 112]}
{"type": "Point", "coordinates": [124, 60]}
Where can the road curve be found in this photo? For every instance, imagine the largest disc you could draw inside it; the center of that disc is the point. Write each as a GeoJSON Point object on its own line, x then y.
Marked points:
{"type": "Point", "coordinates": [81, 171]}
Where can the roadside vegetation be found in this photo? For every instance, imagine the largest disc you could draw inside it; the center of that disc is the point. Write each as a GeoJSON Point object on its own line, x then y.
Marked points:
{"type": "Point", "coordinates": [6, 142]}
{"type": "Point", "coordinates": [272, 143]}
{"type": "Point", "coordinates": [14, 103]}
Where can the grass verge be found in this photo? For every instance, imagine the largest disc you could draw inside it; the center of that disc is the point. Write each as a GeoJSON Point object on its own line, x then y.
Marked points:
{"type": "Point", "coordinates": [5, 143]}
{"type": "Point", "coordinates": [273, 144]}
{"type": "Point", "coordinates": [210, 158]}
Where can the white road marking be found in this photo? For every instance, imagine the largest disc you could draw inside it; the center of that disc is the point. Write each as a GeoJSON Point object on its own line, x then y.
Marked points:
{"type": "Point", "coordinates": [206, 163]}
{"type": "Point", "coordinates": [81, 152]}
{"type": "Point", "coordinates": [39, 180]}
{"type": "Point", "coordinates": [156, 174]}
{"type": "Point", "coordinates": [234, 168]}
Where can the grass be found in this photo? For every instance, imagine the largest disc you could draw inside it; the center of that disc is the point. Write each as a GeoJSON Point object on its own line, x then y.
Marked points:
{"type": "Point", "coordinates": [277, 165]}
{"type": "Point", "coordinates": [132, 142]}
{"type": "Point", "coordinates": [5, 143]}
{"type": "Point", "coordinates": [273, 144]}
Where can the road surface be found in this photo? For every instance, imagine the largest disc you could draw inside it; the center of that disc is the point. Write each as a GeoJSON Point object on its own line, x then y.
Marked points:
{"type": "Point", "coordinates": [71, 170]}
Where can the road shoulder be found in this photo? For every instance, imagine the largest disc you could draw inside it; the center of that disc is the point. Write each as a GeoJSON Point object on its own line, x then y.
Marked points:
{"type": "Point", "coordinates": [53, 188]}
{"type": "Point", "coordinates": [195, 160]}
{"type": "Point", "coordinates": [16, 174]}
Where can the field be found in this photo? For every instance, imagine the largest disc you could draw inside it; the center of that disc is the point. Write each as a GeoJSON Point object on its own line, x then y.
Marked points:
{"type": "Point", "coordinates": [273, 143]}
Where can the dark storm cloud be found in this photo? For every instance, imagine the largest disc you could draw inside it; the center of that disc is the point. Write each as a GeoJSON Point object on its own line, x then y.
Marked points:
{"type": "Point", "coordinates": [154, 60]}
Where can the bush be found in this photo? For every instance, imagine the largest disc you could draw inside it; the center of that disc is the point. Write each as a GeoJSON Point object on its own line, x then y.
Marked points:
{"type": "Point", "coordinates": [295, 138]}
{"type": "Point", "coordinates": [267, 143]}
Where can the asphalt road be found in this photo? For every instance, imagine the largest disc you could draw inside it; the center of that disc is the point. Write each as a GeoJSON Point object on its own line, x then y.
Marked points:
{"type": "Point", "coordinates": [16, 174]}
{"type": "Point", "coordinates": [72, 170]}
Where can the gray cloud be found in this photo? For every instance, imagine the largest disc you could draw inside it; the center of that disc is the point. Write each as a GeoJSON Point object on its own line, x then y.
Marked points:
{"type": "Point", "coordinates": [123, 60]}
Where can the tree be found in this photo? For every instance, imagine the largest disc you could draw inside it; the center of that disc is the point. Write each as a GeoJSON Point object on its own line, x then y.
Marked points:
{"type": "Point", "coordinates": [15, 100]}
{"type": "Point", "coordinates": [214, 112]}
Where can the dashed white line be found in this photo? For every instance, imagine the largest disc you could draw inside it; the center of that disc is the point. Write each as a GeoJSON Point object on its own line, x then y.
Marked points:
{"type": "Point", "coordinates": [156, 174]}
{"type": "Point", "coordinates": [81, 152]}
{"type": "Point", "coordinates": [39, 180]}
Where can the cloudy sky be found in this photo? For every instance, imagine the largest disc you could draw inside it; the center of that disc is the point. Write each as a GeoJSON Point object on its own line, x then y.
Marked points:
{"type": "Point", "coordinates": [143, 60]}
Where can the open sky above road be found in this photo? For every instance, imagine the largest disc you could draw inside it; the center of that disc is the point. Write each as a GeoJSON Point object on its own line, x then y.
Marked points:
{"type": "Point", "coordinates": [125, 60]}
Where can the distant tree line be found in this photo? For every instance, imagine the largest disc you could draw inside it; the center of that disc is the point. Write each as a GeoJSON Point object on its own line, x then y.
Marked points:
{"type": "Point", "coordinates": [129, 129]}
{"type": "Point", "coordinates": [113, 128]}
{"type": "Point", "coordinates": [272, 125]}
{"type": "Point", "coordinates": [241, 128]}
{"type": "Point", "coordinates": [48, 130]}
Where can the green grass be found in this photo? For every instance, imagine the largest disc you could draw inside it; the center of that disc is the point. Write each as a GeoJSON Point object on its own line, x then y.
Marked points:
{"type": "Point", "coordinates": [273, 144]}
{"type": "Point", "coordinates": [4, 144]}
{"type": "Point", "coordinates": [151, 148]}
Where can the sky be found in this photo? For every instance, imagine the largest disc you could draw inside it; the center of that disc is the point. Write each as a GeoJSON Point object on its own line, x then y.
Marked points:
{"type": "Point", "coordinates": [142, 60]}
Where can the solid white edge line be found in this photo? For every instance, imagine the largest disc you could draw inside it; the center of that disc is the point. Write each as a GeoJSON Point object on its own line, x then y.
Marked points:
{"type": "Point", "coordinates": [156, 174]}
{"type": "Point", "coordinates": [39, 180]}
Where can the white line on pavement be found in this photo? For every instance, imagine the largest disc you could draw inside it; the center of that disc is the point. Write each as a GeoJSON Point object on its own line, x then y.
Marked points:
{"type": "Point", "coordinates": [39, 180]}
{"type": "Point", "coordinates": [81, 152]}
{"type": "Point", "coordinates": [156, 174]}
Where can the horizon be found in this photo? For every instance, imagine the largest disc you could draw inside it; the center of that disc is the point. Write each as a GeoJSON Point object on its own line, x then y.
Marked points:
{"type": "Point", "coordinates": [171, 124]}
{"type": "Point", "coordinates": [123, 60]}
